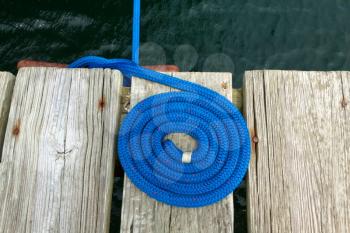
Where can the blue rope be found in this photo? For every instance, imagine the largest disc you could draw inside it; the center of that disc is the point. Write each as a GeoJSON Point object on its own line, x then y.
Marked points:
{"type": "Point", "coordinates": [154, 164]}
{"type": "Point", "coordinates": [136, 31]}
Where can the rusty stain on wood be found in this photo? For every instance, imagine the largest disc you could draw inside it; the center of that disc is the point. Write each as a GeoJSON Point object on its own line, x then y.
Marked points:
{"type": "Point", "coordinates": [344, 102]}
{"type": "Point", "coordinates": [16, 128]}
{"type": "Point", "coordinates": [254, 139]}
{"type": "Point", "coordinates": [224, 85]}
{"type": "Point", "coordinates": [101, 103]}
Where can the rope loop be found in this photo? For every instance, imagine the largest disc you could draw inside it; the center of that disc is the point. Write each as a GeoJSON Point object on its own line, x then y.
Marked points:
{"type": "Point", "coordinates": [155, 165]}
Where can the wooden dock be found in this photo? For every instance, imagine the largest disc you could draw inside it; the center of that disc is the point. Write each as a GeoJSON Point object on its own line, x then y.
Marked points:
{"type": "Point", "coordinates": [58, 154]}
{"type": "Point", "coordinates": [58, 131]}
{"type": "Point", "coordinates": [143, 214]}
{"type": "Point", "coordinates": [7, 81]}
{"type": "Point", "coordinates": [299, 175]}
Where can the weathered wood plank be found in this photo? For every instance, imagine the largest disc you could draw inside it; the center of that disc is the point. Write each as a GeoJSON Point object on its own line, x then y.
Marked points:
{"type": "Point", "coordinates": [61, 138]}
{"type": "Point", "coordinates": [143, 214]}
{"type": "Point", "coordinates": [5, 181]}
{"type": "Point", "coordinates": [299, 173]}
{"type": "Point", "coordinates": [7, 81]}
{"type": "Point", "coordinates": [237, 98]}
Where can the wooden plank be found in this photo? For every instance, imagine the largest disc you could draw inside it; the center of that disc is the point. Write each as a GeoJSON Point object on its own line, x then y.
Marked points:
{"type": "Point", "coordinates": [5, 182]}
{"type": "Point", "coordinates": [143, 214]}
{"type": "Point", "coordinates": [61, 138]}
{"type": "Point", "coordinates": [7, 81]}
{"type": "Point", "coordinates": [299, 175]}
{"type": "Point", "coordinates": [237, 99]}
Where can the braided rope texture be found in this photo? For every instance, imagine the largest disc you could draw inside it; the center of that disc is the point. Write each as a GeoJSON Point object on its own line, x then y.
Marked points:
{"type": "Point", "coordinates": [154, 164]}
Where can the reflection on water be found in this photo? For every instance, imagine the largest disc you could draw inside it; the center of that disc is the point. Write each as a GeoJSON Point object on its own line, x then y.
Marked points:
{"type": "Point", "coordinates": [197, 35]}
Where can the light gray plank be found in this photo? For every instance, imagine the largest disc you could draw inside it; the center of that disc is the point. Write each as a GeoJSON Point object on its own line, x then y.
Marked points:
{"type": "Point", "coordinates": [299, 173]}
{"type": "Point", "coordinates": [7, 81]}
{"type": "Point", "coordinates": [61, 139]}
{"type": "Point", "coordinates": [143, 214]}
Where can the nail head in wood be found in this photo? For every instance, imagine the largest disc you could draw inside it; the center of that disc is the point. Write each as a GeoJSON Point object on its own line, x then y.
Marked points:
{"type": "Point", "coordinates": [101, 103]}
{"type": "Point", "coordinates": [16, 128]}
{"type": "Point", "coordinates": [255, 139]}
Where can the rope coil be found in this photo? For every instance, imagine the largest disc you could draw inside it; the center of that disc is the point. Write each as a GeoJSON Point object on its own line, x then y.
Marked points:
{"type": "Point", "coordinates": [155, 165]}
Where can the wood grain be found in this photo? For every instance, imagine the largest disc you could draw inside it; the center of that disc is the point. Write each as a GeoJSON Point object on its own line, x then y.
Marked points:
{"type": "Point", "coordinates": [60, 143]}
{"type": "Point", "coordinates": [237, 98]}
{"type": "Point", "coordinates": [7, 81]}
{"type": "Point", "coordinates": [143, 214]}
{"type": "Point", "coordinates": [299, 174]}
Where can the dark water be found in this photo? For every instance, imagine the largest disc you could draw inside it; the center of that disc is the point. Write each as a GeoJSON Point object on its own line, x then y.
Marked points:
{"type": "Point", "coordinates": [221, 35]}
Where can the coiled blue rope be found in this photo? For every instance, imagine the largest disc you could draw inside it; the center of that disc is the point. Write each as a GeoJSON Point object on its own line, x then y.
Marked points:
{"type": "Point", "coordinates": [154, 164]}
